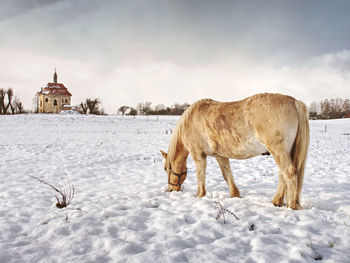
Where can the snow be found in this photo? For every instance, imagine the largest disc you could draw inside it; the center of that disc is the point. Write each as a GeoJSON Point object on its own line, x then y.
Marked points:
{"type": "Point", "coordinates": [68, 112]}
{"type": "Point", "coordinates": [122, 213]}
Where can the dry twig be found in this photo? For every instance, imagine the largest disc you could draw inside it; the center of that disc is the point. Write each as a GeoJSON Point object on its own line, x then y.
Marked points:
{"type": "Point", "coordinates": [63, 196]}
{"type": "Point", "coordinates": [222, 211]}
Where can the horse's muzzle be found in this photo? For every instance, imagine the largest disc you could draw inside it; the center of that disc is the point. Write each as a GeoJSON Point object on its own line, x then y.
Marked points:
{"type": "Point", "coordinates": [173, 188]}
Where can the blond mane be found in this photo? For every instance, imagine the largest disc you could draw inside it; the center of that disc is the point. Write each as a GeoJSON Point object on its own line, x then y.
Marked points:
{"type": "Point", "coordinates": [178, 131]}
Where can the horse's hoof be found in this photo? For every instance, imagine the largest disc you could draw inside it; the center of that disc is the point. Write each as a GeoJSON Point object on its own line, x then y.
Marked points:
{"type": "Point", "coordinates": [235, 195]}
{"type": "Point", "coordinates": [200, 194]}
{"type": "Point", "coordinates": [234, 192]}
{"type": "Point", "coordinates": [277, 203]}
{"type": "Point", "coordinates": [296, 207]}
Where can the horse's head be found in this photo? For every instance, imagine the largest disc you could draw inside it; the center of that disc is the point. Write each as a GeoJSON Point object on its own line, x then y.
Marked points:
{"type": "Point", "coordinates": [175, 178]}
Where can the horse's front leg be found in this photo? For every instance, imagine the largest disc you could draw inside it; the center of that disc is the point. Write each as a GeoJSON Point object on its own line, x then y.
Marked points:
{"type": "Point", "coordinates": [225, 167]}
{"type": "Point", "coordinates": [201, 165]}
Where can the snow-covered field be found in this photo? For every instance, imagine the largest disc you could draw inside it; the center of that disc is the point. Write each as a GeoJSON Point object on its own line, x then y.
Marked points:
{"type": "Point", "coordinates": [122, 213]}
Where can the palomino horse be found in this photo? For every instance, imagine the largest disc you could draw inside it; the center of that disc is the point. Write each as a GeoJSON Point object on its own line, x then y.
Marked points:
{"type": "Point", "coordinates": [263, 123]}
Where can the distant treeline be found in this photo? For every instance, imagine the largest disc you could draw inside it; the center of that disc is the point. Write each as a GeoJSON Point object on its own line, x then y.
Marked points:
{"type": "Point", "coordinates": [10, 104]}
{"type": "Point", "coordinates": [145, 108]}
{"type": "Point", "coordinates": [330, 109]}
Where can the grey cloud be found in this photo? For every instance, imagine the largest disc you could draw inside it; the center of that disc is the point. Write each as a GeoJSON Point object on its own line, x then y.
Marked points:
{"type": "Point", "coordinates": [13, 8]}
{"type": "Point", "coordinates": [115, 32]}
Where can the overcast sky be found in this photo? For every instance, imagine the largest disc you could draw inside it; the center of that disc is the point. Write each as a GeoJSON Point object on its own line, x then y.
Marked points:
{"type": "Point", "coordinates": [163, 51]}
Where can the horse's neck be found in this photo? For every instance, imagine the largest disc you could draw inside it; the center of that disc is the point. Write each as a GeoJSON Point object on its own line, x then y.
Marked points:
{"type": "Point", "coordinates": [179, 156]}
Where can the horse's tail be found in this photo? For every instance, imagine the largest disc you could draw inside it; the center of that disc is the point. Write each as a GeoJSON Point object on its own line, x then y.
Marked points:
{"type": "Point", "coordinates": [301, 144]}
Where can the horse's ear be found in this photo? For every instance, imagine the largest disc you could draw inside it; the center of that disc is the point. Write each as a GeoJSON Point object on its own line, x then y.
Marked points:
{"type": "Point", "coordinates": [164, 154]}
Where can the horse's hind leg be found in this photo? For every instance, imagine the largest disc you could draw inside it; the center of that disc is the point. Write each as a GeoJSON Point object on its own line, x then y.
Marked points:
{"type": "Point", "coordinates": [287, 169]}
{"type": "Point", "coordinates": [281, 189]}
{"type": "Point", "coordinates": [227, 174]}
{"type": "Point", "coordinates": [201, 165]}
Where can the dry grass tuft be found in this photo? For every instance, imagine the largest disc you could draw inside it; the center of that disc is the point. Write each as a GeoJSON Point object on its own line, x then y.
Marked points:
{"type": "Point", "coordinates": [64, 194]}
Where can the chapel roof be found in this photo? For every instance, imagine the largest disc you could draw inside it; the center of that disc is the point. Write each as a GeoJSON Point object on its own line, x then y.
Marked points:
{"type": "Point", "coordinates": [55, 88]}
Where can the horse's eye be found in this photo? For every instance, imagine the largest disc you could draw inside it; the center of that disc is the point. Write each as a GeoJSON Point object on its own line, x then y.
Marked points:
{"type": "Point", "coordinates": [164, 169]}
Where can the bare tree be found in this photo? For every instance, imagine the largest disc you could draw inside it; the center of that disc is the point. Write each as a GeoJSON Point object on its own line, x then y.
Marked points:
{"type": "Point", "coordinates": [90, 106]}
{"type": "Point", "coordinates": [9, 100]}
{"type": "Point", "coordinates": [2, 100]}
{"type": "Point", "coordinates": [313, 110]}
{"type": "Point", "coordinates": [8, 104]}
{"type": "Point", "coordinates": [132, 112]}
{"type": "Point", "coordinates": [93, 105]}
{"type": "Point", "coordinates": [140, 108]}
{"type": "Point", "coordinates": [84, 107]}
{"type": "Point", "coordinates": [159, 107]}
{"type": "Point", "coordinates": [185, 106]}
{"type": "Point", "coordinates": [338, 107]}
{"type": "Point", "coordinates": [325, 109]}
{"type": "Point", "coordinates": [18, 106]}
{"type": "Point", "coordinates": [147, 107]}
{"type": "Point", "coordinates": [123, 109]}
{"type": "Point", "coordinates": [346, 107]}
{"type": "Point", "coordinates": [178, 109]}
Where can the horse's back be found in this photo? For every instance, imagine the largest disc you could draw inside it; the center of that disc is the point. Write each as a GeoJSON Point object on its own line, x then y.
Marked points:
{"type": "Point", "coordinates": [219, 129]}
{"type": "Point", "coordinates": [241, 129]}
